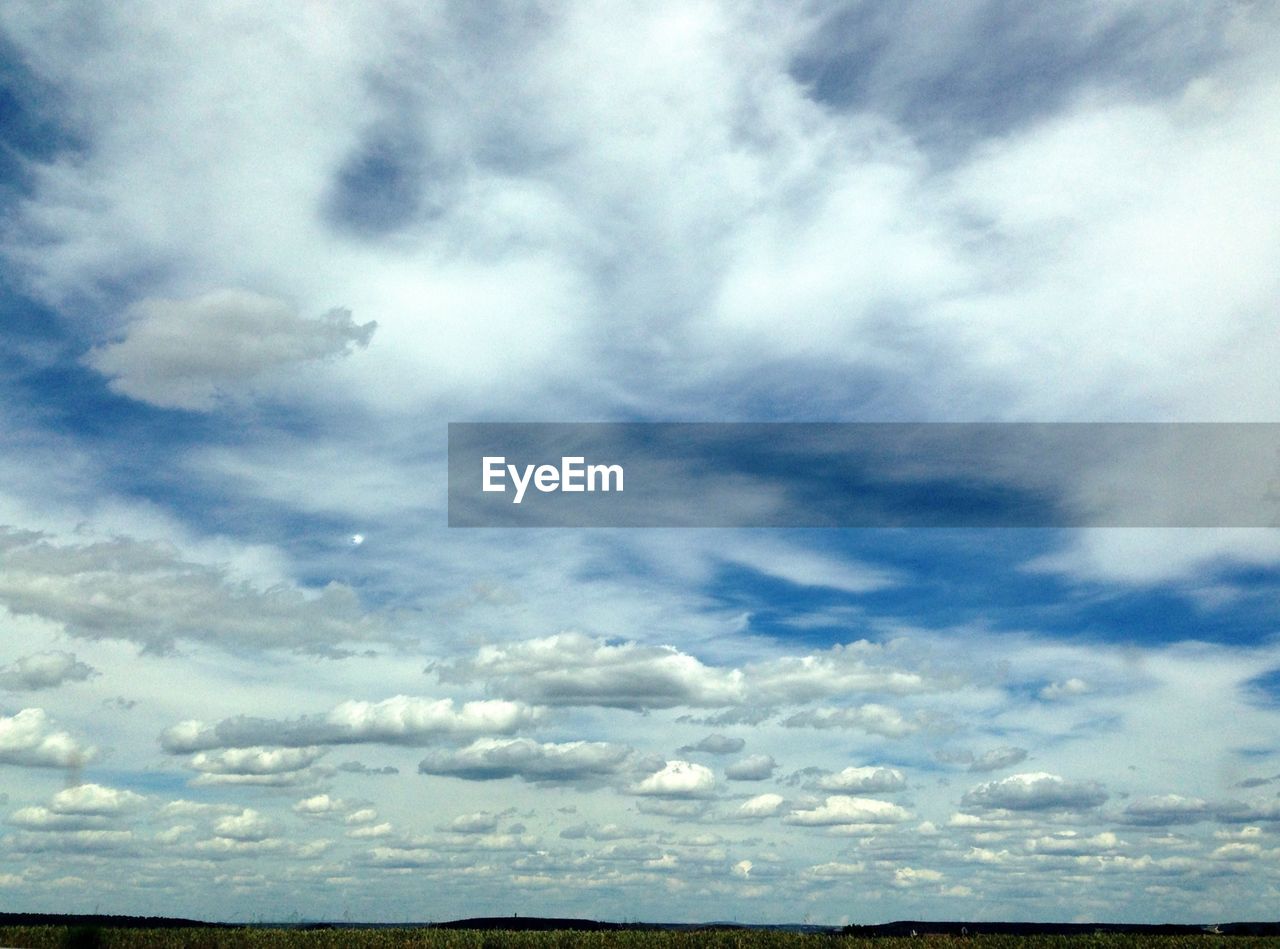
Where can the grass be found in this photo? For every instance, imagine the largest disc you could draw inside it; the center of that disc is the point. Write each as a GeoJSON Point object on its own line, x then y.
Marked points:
{"type": "Point", "coordinates": [86, 937]}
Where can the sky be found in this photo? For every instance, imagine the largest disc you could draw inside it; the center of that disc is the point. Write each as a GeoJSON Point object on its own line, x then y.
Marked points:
{"type": "Point", "coordinates": [253, 263]}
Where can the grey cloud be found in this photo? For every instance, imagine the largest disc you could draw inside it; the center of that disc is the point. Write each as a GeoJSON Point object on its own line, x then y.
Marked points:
{"type": "Point", "coordinates": [399, 720]}
{"type": "Point", "coordinates": [752, 768]}
{"type": "Point", "coordinates": [187, 353]}
{"type": "Point", "coordinates": [987, 67]}
{"type": "Point", "coordinates": [716, 745]}
{"type": "Point", "coordinates": [44, 670]}
{"type": "Point", "coordinates": [572, 669]}
{"type": "Point", "coordinates": [871, 780]}
{"type": "Point", "coordinates": [1036, 791]}
{"type": "Point", "coordinates": [1164, 810]}
{"type": "Point", "coordinates": [489, 759]}
{"type": "Point", "coordinates": [998, 758]}
{"type": "Point", "coordinates": [871, 718]}
{"type": "Point", "coordinates": [148, 594]}
{"type": "Point", "coordinates": [357, 767]}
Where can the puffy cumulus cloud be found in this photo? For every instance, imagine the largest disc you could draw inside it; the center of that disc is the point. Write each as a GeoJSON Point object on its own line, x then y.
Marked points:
{"type": "Point", "coordinates": [573, 669]}
{"type": "Point", "coordinates": [762, 805]}
{"type": "Point", "coordinates": [678, 779]}
{"type": "Point", "coordinates": [44, 670]}
{"type": "Point", "coordinates": [249, 825]}
{"type": "Point", "coordinates": [1164, 809]}
{"type": "Point", "coordinates": [998, 758]}
{"type": "Point", "coordinates": [873, 718]}
{"type": "Point", "coordinates": [841, 809]}
{"type": "Point", "coordinates": [320, 805]}
{"type": "Point", "coordinates": [185, 354]}
{"type": "Point", "coordinates": [255, 761]}
{"type": "Point", "coordinates": [95, 800]}
{"type": "Point", "coordinates": [399, 720]}
{"type": "Point", "coordinates": [29, 738]}
{"type": "Point", "coordinates": [865, 779]}
{"type": "Point", "coordinates": [716, 744]}
{"type": "Point", "coordinates": [149, 594]}
{"type": "Point", "coordinates": [751, 768]}
{"type": "Point", "coordinates": [1071, 844]}
{"type": "Point", "coordinates": [479, 822]}
{"type": "Point", "coordinates": [1035, 791]}
{"type": "Point", "coordinates": [489, 759]}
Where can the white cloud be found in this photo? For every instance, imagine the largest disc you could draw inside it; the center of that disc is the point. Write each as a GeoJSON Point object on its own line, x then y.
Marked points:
{"type": "Point", "coordinates": [249, 825]}
{"type": "Point", "coordinates": [1068, 688]}
{"type": "Point", "coordinates": [43, 670]}
{"type": "Point", "coordinates": [29, 738]}
{"type": "Point", "coordinates": [573, 669]}
{"type": "Point", "coordinates": [762, 805]}
{"type": "Point", "coordinates": [840, 809]}
{"type": "Point", "coordinates": [678, 779]}
{"type": "Point", "coordinates": [255, 761]}
{"type": "Point", "coordinates": [186, 354]}
{"type": "Point", "coordinates": [94, 799]}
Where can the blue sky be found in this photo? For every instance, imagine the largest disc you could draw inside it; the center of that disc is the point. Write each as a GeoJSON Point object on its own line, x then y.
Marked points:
{"type": "Point", "coordinates": [252, 266]}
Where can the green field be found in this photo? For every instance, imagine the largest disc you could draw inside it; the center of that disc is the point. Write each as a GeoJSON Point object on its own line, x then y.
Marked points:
{"type": "Point", "coordinates": [56, 937]}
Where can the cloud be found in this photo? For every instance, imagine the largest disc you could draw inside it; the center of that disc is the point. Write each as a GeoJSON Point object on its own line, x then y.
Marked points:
{"type": "Point", "coordinates": [1071, 844]}
{"type": "Point", "coordinates": [94, 799]}
{"type": "Point", "coordinates": [751, 768]}
{"type": "Point", "coordinates": [1035, 791]}
{"type": "Point", "coordinates": [573, 669]}
{"type": "Point", "coordinates": [186, 354]}
{"type": "Point", "coordinates": [149, 594]}
{"type": "Point", "coordinates": [868, 779]}
{"type": "Point", "coordinates": [762, 805]}
{"type": "Point", "coordinates": [357, 767]}
{"type": "Point", "coordinates": [255, 761]}
{"type": "Point", "coordinates": [399, 720]}
{"type": "Point", "coordinates": [43, 670]}
{"type": "Point", "coordinates": [716, 745]}
{"type": "Point", "coordinates": [1165, 809]}
{"type": "Point", "coordinates": [678, 779]}
{"type": "Point", "coordinates": [841, 809]}
{"type": "Point", "coordinates": [489, 759]}
{"type": "Point", "coordinates": [320, 805]}
{"type": "Point", "coordinates": [248, 826]}
{"type": "Point", "coordinates": [30, 739]}
{"type": "Point", "coordinates": [871, 718]}
{"type": "Point", "coordinates": [998, 758]}
{"type": "Point", "coordinates": [479, 822]}
{"type": "Point", "coordinates": [1069, 688]}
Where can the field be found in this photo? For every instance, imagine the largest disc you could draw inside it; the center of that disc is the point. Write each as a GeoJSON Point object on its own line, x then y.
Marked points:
{"type": "Point", "coordinates": [57, 937]}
